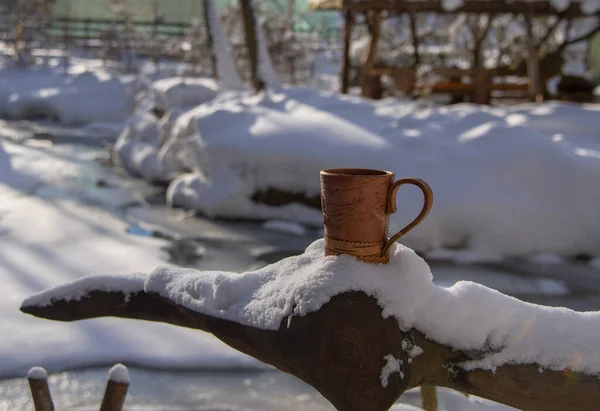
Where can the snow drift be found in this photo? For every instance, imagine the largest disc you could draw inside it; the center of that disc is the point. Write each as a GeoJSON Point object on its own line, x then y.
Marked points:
{"type": "Point", "coordinates": [507, 181]}
{"type": "Point", "coordinates": [70, 98]}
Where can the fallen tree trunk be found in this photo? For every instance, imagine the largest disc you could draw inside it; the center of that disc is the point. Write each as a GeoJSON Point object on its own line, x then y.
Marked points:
{"type": "Point", "coordinates": [342, 350]}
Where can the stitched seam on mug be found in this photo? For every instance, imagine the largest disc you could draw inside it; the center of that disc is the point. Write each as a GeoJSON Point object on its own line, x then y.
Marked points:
{"type": "Point", "coordinates": [367, 259]}
{"type": "Point", "coordinates": [354, 242]}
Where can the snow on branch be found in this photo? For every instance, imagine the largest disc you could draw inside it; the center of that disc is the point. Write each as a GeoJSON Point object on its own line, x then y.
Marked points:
{"type": "Point", "coordinates": [366, 323]}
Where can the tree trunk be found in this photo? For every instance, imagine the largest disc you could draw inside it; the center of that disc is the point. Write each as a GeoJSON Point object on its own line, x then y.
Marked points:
{"type": "Point", "coordinates": [533, 67]}
{"type": "Point", "coordinates": [348, 23]}
{"type": "Point", "coordinates": [251, 43]}
{"type": "Point", "coordinates": [415, 40]}
{"type": "Point", "coordinates": [209, 38]}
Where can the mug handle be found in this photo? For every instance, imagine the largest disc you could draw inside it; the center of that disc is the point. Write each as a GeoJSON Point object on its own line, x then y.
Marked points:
{"type": "Point", "coordinates": [391, 207]}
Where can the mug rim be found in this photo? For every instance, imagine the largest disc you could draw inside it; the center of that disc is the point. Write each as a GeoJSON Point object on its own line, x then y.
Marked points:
{"type": "Point", "coordinates": [356, 172]}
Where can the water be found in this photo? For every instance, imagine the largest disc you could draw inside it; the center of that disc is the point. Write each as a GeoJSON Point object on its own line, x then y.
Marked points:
{"type": "Point", "coordinates": [177, 391]}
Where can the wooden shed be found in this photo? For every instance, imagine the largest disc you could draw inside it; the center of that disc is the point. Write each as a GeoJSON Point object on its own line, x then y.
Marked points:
{"type": "Point", "coordinates": [372, 12]}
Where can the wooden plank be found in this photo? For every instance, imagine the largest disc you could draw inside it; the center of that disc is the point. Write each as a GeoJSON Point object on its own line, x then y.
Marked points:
{"type": "Point", "coordinates": [451, 87]}
{"type": "Point", "coordinates": [524, 87]}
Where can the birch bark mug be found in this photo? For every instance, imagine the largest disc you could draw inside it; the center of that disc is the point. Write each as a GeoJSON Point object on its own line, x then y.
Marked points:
{"type": "Point", "coordinates": [357, 204]}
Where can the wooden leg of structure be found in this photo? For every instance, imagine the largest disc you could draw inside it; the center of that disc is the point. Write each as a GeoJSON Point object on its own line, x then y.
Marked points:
{"type": "Point", "coordinates": [429, 398]}
{"type": "Point", "coordinates": [481, 86]}
{"type": "Point", "coordinates": [370, 82]}
{"type": "Point", "coordinates": [114, 395]}
{"type": "Point", "coordinates": [348, 23]}
{"type": "Point", "coordinates": [38, 383]}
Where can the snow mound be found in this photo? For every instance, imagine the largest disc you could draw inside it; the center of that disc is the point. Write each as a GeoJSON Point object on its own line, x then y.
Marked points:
{"type": "Point", "coordinates": [466, 316]}
{"type": "Point", "coordinates": [181, 92]}
{"type": "Point", "coordinates": [507, 181]}
{"type": "Point", "coordinates": [37, 373]}
{"type": "Point", "coordinates": [119, 374]}
{"type": "Point", "coordinates": [69, 98]}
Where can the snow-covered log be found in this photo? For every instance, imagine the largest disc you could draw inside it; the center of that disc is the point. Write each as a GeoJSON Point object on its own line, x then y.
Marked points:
{"type": "Point", "coordinates": [363, 334]}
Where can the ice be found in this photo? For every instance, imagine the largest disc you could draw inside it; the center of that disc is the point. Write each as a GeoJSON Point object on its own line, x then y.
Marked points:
{"type": "Point", "coordinates": [546, 258]}
{"type": "Point", "coordinates": [465, 316]}
{"type": "Point", "coordinates": [287, 227]}
{"type": "Point", "coordinates": [37, 373]}
{"type": "Point", "coordinates": [50, 235]}
{"type": "Point", "coordinates": [118, 373]}
{"type": "Point", "coordinates": [392, 365]}
{"type": "Point", "coordinates": [552, 287]}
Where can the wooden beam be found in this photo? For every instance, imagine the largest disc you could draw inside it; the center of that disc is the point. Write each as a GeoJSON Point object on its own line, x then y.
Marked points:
{"type": "Point", "coordinates": [538, 8]}
{"type": "Point", "coordinates": [340, 351]}
{"type": "Point", "coordinates": [345, 75]}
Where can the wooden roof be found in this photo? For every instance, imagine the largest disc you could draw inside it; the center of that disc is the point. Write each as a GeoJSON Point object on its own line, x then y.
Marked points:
{"type": "Point", "coordinates": [537, 7]}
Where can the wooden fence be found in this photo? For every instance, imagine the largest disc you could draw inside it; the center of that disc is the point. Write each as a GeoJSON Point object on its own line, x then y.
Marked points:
{"type": "Point", "coordinates": [114, 394]}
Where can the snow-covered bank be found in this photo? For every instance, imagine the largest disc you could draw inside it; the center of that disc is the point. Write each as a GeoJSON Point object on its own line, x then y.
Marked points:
{"type": "Point", "coordinates": [76, 97]}
{"type": "Point", "coordinates": [507, 181]}
{"type": "Point", "coordinates": [49, 236]}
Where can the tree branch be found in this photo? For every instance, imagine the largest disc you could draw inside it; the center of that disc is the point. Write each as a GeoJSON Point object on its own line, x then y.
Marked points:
{"type": "Point", "coordinates": [340, 351]}
{"type": "Point", "coordinates": [549, 33]}
{"type": "Point", "coordinates": [583, 37]}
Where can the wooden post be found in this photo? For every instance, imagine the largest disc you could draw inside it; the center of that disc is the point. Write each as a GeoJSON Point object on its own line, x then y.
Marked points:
{"type": "Point", "coordinates": [481, 85]}
{"type": "Point", "coordinates": [251, 43]}
{"type": "Point", "coordinates": [371, 84]}
{"type": "Point", "coordinates": [209, 38]}
{"type": "Point", "coordinates": [429, 398]}
{"type": "Point", "coordinates": [116, 389]}
{"type": "Point", "coordinates": [533, 65]}
{"type": "Point", "coordinates": [348, 23]}
{"type": "Point", "coordinates": [38, 384]}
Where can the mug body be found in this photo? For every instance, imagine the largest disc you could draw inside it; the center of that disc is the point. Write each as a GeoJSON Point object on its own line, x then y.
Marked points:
{"type": "Point", "coordinates": [355, 215]}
